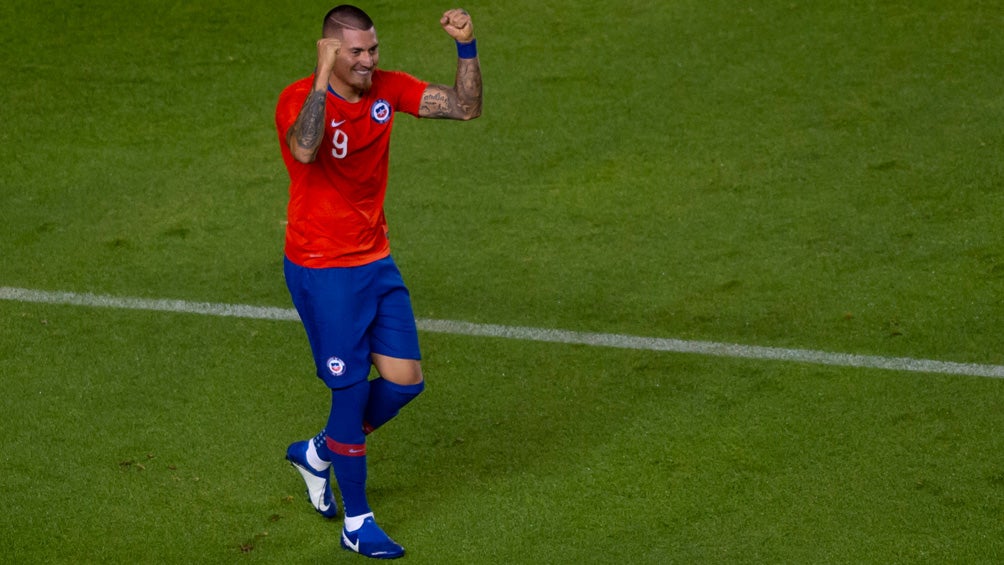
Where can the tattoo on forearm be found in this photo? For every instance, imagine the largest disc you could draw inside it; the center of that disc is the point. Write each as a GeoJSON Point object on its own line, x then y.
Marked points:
{"type": "Point", "coordinates": [309, 126]}
{"type": "Point", "coordinates": [469, 86]}
{"type": "Point", "coordinates": [463, 101]}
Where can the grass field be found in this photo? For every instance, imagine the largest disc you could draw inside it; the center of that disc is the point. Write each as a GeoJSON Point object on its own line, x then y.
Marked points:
{"type": "Point", "coordinates": [810, 175]}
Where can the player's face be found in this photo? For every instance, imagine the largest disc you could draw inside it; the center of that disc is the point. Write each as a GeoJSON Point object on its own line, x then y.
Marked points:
{"type": "Point", "coordinates": [357, 57]}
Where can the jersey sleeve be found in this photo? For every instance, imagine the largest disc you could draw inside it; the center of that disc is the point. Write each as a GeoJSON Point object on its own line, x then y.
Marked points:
{"type": "Point", "coordinates": [289, 105]}
{"type": "Point", "coordinates": [410, 91]}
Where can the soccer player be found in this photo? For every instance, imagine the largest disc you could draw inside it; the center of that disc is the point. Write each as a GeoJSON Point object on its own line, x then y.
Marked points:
{"type": "Point", "coordinates": [334, 127]}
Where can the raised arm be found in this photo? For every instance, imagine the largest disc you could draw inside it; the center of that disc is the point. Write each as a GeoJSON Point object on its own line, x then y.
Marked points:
{"type": "Point", "coordinates": [304, 136]}
{"type": "Point", "coordinates": [463, 100]}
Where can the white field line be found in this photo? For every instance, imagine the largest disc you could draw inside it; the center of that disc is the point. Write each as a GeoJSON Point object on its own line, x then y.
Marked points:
{"type": "Point", "coordinates": [526, 333]}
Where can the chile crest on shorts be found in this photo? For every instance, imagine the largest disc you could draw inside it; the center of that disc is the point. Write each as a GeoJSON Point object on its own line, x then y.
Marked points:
{"type": "Point", "coordinates": [381, 111]}
{"type": "Point", "coordinates": [336, 366]}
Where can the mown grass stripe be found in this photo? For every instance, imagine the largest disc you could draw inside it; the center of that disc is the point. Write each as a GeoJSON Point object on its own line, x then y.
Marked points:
{"type": "Point", "coordinates": [709, 348]}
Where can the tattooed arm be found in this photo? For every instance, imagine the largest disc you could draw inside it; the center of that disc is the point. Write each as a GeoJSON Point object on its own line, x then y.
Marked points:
{"type": "Point", "coordinates": [463, 101]}
{"type": "Point", "coordinates": [304, 136]}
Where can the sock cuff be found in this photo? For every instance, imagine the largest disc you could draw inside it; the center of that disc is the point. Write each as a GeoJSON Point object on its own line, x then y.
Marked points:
{"type": "Point", "coordinates": [353, 523]}
{"type": "Point", "coordinates": [315, 458]}
{"type": "Point", "coordinates": [405, 389]}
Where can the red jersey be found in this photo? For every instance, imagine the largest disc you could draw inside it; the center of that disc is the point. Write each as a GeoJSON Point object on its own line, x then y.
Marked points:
{"type": "Point", "coordinates": [335, 214]}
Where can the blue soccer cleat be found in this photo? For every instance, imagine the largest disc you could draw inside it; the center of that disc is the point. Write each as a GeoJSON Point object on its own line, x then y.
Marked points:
{"type": "Point", "coordinates": [371, 541]}
{"type": "Point", "coordinates": [318, 482]}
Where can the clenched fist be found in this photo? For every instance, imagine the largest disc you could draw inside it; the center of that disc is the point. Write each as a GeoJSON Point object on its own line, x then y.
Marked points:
{"type": "Point", "coordinates": [327, 52]}
{"type": "Point", "coordinates": [457, 23]}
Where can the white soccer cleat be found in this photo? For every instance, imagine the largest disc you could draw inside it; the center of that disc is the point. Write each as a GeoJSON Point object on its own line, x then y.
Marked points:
{"type": "Point", "coordinates": [318, 482]}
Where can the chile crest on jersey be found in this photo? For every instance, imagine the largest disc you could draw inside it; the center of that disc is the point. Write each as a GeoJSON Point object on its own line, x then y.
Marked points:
{"type": "Point", "coordinates": [381, 111]}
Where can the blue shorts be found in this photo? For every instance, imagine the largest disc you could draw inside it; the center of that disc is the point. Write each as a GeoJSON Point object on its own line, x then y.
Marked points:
{"type": "Point", "coordinates": [351, 312]}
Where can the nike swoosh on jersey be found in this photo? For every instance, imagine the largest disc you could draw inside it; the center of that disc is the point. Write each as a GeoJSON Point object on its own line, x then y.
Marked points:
{"type": "Point", "coordinates": [335, 124]}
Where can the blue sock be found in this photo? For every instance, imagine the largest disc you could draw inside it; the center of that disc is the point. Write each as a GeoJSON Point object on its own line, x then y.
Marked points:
{"type": "Point", "coordinates": [345, 441]}
{"type": "Point", "coordinates": [321, 446]}
{"type": "Point", "coordinates": [386, 400]}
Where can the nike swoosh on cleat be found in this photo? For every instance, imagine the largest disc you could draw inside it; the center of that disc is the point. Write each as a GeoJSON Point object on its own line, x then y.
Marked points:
{"type": "Point", "coordinates": [320, 505]}
{"type": "Point", "coordinates": [352, 546]}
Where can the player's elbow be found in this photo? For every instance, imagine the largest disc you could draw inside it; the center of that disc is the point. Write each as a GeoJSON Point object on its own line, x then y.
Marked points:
{"type": "Point", "coordinates": [302, 154]}
{"type": "Point", "coordinates": [306, 159]}
{"type": "Point", "coordinates": [471, 112]}
{"type": "Point", "coordinates": [299, 152]}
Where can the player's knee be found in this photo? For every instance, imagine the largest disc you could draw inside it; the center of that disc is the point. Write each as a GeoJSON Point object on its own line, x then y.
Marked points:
{"type": "Point", "coordinates": [410, 376]}
{"type": "Point", "coordinates": [404, 372]}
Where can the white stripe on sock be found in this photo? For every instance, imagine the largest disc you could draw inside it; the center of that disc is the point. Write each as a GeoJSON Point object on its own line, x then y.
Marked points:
{"type": "Point", "coordinates": [313, 459]}
{"type": "Point", "coordinates": [353, 523]}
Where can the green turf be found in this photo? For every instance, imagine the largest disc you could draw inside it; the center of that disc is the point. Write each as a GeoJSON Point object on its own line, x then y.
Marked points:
{"type": "Point", "coordinates": [796, 174]}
